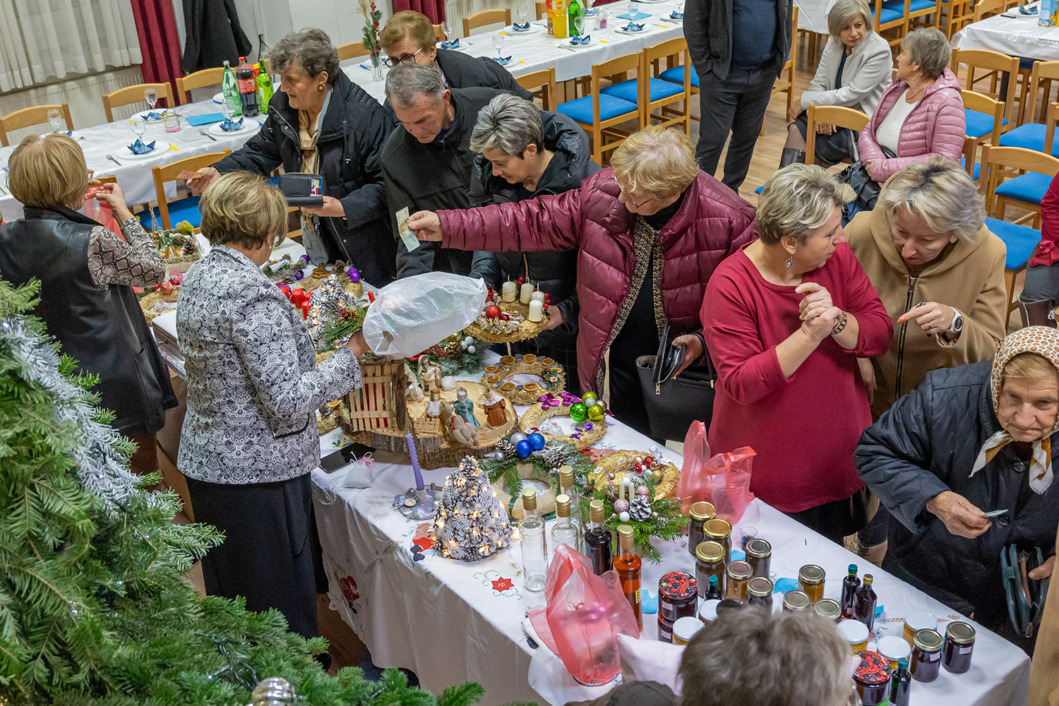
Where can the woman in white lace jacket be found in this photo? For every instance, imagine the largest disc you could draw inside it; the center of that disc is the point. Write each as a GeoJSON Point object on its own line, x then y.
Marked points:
{"type": "Point", "coordinates": [250, 439]}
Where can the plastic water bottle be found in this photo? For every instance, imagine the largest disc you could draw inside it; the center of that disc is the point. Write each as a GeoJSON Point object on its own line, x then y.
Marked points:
{"type": "Point", "coordinates": [230, 91]}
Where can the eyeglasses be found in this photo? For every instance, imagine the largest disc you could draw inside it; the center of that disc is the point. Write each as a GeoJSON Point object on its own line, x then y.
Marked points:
{"type": "Point", "coordinates": [406, 59]}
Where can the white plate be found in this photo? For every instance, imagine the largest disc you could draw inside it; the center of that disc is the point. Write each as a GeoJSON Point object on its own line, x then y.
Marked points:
{"type": "Point", "coordinates": [248, 124]}
{"type": "Point", "coordinates": [533, 29]}
{"type": "Point", "coordinates": [219, 99]}
{"type": "Point", "coordinates": [124, 153]}
{"type": "Point", "coordinates": [145, 113]}
{"type": "Point", "coordinates": [622, 30]}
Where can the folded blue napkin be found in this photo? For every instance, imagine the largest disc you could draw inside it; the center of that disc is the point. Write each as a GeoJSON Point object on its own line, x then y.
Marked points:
{"type": "Point", "coordinates": [520, 27]}
{"type": "Point", "coordinates": [152, 116]}
{"type": "Point", "coordinates": [581, 40]}
{"type": "Point", "coordinates": [589, 13]}
{"type": "Point", "coordinates": [199, 120]}
{"type": "Point", "coordinates": [674, 15]}
{"type": "Point", "coordinates": [455, 44]}
{"type": "Point", "coordinates": [638, 16]}
{"type": "Point", "coordinates": [139, 147]}
{"type": "Point", "coordinates": [230, 125]}
{"type": "Point", "coordinates": [502, 60]}
{"type": "Point", "coordinates": [633, 27]}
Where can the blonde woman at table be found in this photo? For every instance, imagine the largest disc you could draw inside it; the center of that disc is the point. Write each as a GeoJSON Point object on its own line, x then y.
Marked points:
{"type": "Point", "coordinates": [86, 276]}
{"type": "Point", "coordinates": [249, 439]}
{"type": "Point", "coordinates": [854, 70]}
{"type": "Point", "coordinates": [322, 123]}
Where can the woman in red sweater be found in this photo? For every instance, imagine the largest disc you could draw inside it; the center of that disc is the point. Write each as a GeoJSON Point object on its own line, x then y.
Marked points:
{"type": "Point", "coordinates": [785, 319]}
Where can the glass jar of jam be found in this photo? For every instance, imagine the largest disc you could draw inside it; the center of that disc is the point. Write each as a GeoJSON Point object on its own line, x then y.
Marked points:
{"type": "Point", "coordinates": [828, 608]}
{"type": "Point", "coordinates": [795, 602]}
{"type": "Point", "coordinates": [738, 573]}
{"type": "Point", "coordinates": [709, 561]}
{"type": "Point", "coordinates": [811, 580]}
{"type": "Point", "coordinates": [720, 531]}
{"type": "Point", "coordinates": [926, 655]}
{"type": "Point", "coordinates": [677, 598]}
{"type": "Point", "coordinates": [698, 516]}
{"type": "Point", "coordinates": [959, 644]}
{"type": "Point", "coordinates": [759, 556]}
{"type": "Point", "coordinates": [759, 592]}
{"type": "Point", "coordinates": [872, 678]}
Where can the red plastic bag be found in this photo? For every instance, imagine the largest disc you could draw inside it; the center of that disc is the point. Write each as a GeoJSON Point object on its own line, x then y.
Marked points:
{"type": "Point", "coordinates": [723, 480]}
{"type": "Point", "coordinates": [582, 618]}
{"type": "Point", "coordinates": [100, 212]}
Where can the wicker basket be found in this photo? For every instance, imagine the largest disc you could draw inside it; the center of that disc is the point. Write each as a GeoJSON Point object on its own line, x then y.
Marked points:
{"type": "Point", "coordinates": [496, 376]}
{"type": "Point", "coordinates": [523, 332]}
{"type": "Point", "coordinates": [147, 303]}
{"type": "Point", "coordinates": [537, 415]}
{"type": "Point", "coordinates": [622, 462]}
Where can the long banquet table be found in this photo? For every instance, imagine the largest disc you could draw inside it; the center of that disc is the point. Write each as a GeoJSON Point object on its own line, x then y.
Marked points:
{"type": "Point", "coordinates": [1014, 35]}
{"type": "Point", "coordinates": [448, 620]}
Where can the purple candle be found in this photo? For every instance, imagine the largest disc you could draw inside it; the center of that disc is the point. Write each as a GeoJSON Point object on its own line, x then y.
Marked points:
{"type": "Point", "coordinates": [415, 461]}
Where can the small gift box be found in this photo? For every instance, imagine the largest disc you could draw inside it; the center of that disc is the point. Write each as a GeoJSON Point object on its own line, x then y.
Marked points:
{"type": "Point", "coordinates": [502, 60]}
{"type": "Point", "coordinates": [230, 125]}
{"type": "Point", "coordinates": [454, 44]}
{"type": "Point", "coordinates": [139, 147]}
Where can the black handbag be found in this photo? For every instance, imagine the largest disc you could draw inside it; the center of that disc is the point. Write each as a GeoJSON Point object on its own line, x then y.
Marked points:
{"type": "Point", "coordinates": [866, 189]}
{"type": "Point", "coordinates": [673, 404]}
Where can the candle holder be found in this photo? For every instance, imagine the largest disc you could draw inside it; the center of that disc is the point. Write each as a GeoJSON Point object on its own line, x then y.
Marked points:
{"type": "Point", "coordinates": [420, 502]}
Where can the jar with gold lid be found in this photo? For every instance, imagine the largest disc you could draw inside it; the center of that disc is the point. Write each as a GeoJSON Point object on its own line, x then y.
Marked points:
{"type": "Point", "coordinates": [720, 531]}
{"type": "Point", "coordinates": [698, 515]}
{"type": "Point", "coordinates": [959, 644]}
{"type": "Point", "coordinates": [827, 608]}
{"type": "Point", "coordinates": [759, 556]}
{"type": "Point", "coordinates": [759, 592]}
{"type": "Point", "coordinates": [811, 580]}
{"type": "Point", "coordinates": [926, 655]}
{"type": "Point", "coordinates": [709, 561]}
{"type": "Point", "coordinates": [737, 574]}
{"type": "Point", "coordinates": [796, 602]}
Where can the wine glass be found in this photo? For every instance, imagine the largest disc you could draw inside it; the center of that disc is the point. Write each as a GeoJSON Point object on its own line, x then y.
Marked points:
{"type": "Point", "coordinates": [579, 26]}
{"type": "Point", "coordinates": [521, 15]}
{"type": "Point", "coordinates": [445, 30]}
{"type": "Point", "coordinates": [151, 96]}
{"type": "Point", "coordinates": [55, 118]}
{"type": "Point", "coordinates": [139, 126]}
{"type": "Point", "coordinates": [498, 45]}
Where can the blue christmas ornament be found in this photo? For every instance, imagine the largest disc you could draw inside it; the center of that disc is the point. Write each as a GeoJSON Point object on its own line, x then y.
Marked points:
{"type": "Point", "coordinates": [523, 449]}
{"type": "Point", "coordinates": [536, 441]}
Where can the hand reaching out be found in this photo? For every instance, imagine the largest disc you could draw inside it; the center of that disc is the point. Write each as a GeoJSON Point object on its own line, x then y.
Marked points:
{"type": "Point", "coordinates": [960, 516]}
{"type": "Point", "coordinates": [426, 225]}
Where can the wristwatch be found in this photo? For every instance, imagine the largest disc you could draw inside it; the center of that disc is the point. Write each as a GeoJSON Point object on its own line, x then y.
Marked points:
{"type": "Point", "coordinates": [957, 323]}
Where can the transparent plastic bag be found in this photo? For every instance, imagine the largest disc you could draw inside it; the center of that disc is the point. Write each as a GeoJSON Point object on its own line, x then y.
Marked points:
{"type": "Point", "coordinates": [582, 618]}
{"type": "Point", "coordinates": [100, 212]}
{"type": "Point", "coordinates": [723, 479]}
{"type": "Point", "coordinates": [412, 314]}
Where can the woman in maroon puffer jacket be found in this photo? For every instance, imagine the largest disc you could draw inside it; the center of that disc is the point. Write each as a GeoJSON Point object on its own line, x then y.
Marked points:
{"type": "Point", "coordinates": [652, 219]}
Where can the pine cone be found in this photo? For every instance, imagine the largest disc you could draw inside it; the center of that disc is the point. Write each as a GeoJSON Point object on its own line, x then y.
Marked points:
{"type": "Point", "coordinates": [506, 447]}
{"type": "Point", "coordinates": [640, 508]}
{"type": "Point", "coordinates": [553, 457]}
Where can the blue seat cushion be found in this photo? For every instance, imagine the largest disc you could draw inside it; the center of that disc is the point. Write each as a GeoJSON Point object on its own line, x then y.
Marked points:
{"type": "Point", "coordinates": [182, 210]}
{"type": "Point", "coordinates": [627, 90]}
{"type": "Point", "coordinates": [977, 167]}
{"type": "Point", "coordinates": [891, 12]}
{"type": "Point", "coordinates": [1028, 188]}
{"type": "Point", "coordinates": [609, 107]}
{"type": "Point", "coordinates": [914, 6]}
{"type": "Point", "coordinates": [979, 124]}
{"type": "Point", "coordinates": [676, 75]}
{"type": "Point", "coordinates": [1028, 136]}
{"type": "Point", "coordinates": [1020, 241]}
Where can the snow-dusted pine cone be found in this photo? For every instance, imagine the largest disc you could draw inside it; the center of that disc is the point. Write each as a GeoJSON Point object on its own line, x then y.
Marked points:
{"type": "Point", "coordinates": [640, 508]}
{"type": "Point", "coordinates": [506, 447]}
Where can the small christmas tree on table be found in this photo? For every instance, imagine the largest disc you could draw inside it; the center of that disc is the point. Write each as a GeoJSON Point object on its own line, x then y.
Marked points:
{"type": "Point", "coordinates": [471, 523]}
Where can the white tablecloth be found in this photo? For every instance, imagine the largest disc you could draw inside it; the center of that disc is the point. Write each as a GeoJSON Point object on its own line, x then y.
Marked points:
{"type": "Point", "coordinates": [449, 621]}
{"type": "Point", "coordinates": [812, 15]}
{"type": "Point", "coordinates": [1015, 36]}
{"type": "Point", "coordinates": [134, 175]}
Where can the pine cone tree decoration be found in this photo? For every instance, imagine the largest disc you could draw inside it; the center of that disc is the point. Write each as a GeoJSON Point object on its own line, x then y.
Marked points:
{"type": "Point", "coordinates": [505, 446]}
{"type": "Point", "coordinates": [640, 508]}
{"type": "Point", "coordinates": [553, 457]}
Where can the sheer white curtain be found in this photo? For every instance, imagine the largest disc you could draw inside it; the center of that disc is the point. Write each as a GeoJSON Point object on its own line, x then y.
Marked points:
{"type": "Point", "coordinates": [41, 40]}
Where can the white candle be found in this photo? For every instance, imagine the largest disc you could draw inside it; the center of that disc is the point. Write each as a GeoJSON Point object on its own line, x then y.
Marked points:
{"type": "Point", "coordinates": [537, 296]}
{"type": "Point", "coordinates": [536, 311]}
{"type": "Point", "coordinates": [527, 293]}
{"type": "Point", "coordinates": [509, 291]}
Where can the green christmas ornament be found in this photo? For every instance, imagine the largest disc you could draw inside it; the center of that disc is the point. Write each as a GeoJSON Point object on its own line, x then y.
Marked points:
{"type": "Point", "coordinates": [578, 412]}
{"type": "Point", "coordinates": [590, 398]}
{"type": "Point", "coordinates": [596, 412]}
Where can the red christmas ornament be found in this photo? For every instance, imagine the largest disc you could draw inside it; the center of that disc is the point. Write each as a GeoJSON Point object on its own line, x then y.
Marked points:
{"type": "Point", "coordinates": [638, 467]}
{"type": "Point", "coordinates": [492, 311]}
{"type": "Point", "coordinates": [648, 461]}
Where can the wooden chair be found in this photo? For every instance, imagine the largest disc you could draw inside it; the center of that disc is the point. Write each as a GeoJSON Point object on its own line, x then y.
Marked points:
{"type": "Point", "coordinates": [199, 79]}
{"type": "Point", "coordinates": [134, 94]}
{"type": "Point", "coordinates": [994, 66]}
{"type": "Point", "coordinates": [600, 114]}
{"type": "Point", "coordinates": [785, 83]}
{"type": "Point", "coordinates": [1031, 135]}
{"type": "Point", "coordinates": [985, 119]}
{"type": "Point", "coordinates": [917, 12]}
{"type": "Point", "coordinates": [958, 14]}
{"type": "Point", "coordinates": [836, 115]}
{"type": "Point", "coordinates": [663, 95]}
{"type": "Point", "coordinates": [351, 50]}
{"type": "Point", "coordinates": [1018, 177]}
{"type": "Point", "coordinates": [540, 84]}
{"type": "Point", "coordinates": [185, 209]}
{"type": "Point", "coordinates": [439, 33]}
{"type": "Point", "coordinates": [890, 19]}
{"type": "Point", "coordinates": [542, 9]}
{"type": "Point", "coordinates": [35, 115]}
{"type": "Point", "coordinates": [486, 17]}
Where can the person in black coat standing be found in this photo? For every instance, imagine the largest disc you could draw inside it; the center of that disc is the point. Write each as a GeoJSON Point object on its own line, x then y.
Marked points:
{"type": "Point", "coordinates": [322, 123]}
{"type": "Point", "coordinates": [970, 440]}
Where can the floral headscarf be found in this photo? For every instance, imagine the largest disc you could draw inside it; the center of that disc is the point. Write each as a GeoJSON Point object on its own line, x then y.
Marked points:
{"type": "Point", "coordinates": [1043, 341]}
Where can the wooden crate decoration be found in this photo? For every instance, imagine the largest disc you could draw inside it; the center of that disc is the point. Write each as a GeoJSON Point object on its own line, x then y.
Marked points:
{"type": "Point", "coordinates": [380, 403]}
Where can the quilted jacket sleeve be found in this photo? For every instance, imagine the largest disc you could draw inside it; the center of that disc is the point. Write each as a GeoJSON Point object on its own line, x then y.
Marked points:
{"type": "Point", "coordinates": [545, 223]}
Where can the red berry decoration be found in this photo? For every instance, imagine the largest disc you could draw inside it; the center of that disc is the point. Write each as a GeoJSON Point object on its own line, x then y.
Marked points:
{"type": "Point", "coordinates": [638, 467]}
{"type": "Point", "coordinates": [492, 311]}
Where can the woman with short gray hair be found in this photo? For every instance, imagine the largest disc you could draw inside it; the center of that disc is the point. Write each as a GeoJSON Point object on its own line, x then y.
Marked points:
{"type": "Point", "coordinates": [785, 319]}
{"type": "Point", "coordinates": [853, 72]}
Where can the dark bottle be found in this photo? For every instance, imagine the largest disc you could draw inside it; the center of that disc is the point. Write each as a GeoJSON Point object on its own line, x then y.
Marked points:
{"type": "Point", "coordinates": [597, 540]}
{"type": "Point", "coordinates": [713, 591]}
{"type": "Point", "coordinates": [850, 584]}
{"type": "Point", "coordinates": [247, 82]}
{"type": "Point", "coordinates": [864, 601]}
{"type": "Point", "coordinates": [900, 684]}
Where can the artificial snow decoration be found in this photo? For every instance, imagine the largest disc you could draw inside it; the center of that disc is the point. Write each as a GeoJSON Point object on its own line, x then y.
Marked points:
{"type": "Point", "coordinates": [470, 523]}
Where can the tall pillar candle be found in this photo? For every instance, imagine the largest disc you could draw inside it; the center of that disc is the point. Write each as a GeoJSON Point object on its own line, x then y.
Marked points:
{"type": "Point", "coordinates": [536, 311]}
{"type": "Point", "coordinates": [527, 293]}
{"type": "Point", "coordinates": [537, 296]}
{"type": "Point", "coordinates": [509, 292]}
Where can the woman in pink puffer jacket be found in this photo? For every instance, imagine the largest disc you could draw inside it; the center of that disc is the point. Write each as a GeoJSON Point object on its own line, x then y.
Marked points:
{"type": "Point", "coordinates": [921, 113]}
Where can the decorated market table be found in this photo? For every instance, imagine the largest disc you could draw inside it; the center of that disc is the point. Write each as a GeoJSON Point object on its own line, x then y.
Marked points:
{"type": "Point", "coordinates": [448, 620]}
{"type": "Point", "coordinates": [107, 153]}
{"type": "Point", "coordinates": [1013, 34]}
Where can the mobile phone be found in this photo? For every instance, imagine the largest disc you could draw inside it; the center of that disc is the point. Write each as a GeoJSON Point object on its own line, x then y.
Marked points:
{"type": "Point", "coordinates": [335, 461]}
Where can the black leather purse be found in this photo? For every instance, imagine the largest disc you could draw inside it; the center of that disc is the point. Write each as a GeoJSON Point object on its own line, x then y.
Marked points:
{"type": "Point", "coordinates": [673, 404]}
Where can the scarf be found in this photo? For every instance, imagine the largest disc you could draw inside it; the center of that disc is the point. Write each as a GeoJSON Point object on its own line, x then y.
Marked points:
{"type": "Point", "coordinates": [1044, 342]}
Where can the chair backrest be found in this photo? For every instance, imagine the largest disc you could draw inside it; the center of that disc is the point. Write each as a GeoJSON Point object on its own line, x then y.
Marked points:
{"type": "Point", "coordinates": [199, 79]}
{"type": "Point", "coordinates": [1043, 72]}
{"type": "Point", "coordinates": [993, 64]}
{"type": "Point", "coordinates": [982, 103]}
{"type": "Point", "coordinates": [1050, 120]}
{"type": "Point", "coordinates": [486, 17]}
{"type": "Point", "coordinates": [830, 115]}
{"type": "Point", "coordinates": [351, 50]}
{"type": "Point", "coordinates": [35, 115]}
{"type": "Point", "coordinates": [900, 24]}
{"type": "Point", "coordinates": [615, 70]}
{"type": "Point", "coordinates": [134, 94]}
{"type": "Point", "coordinates": [439, 33]}
{"type": "Point", "coordinates": [543, 83]}
{"type": "Point", "coordinates": [542, 9]}
{"type": "Point", "coordinates": [988, 8]}
{"type": "Point", "coordinates": [1001, 163]}
{"type": "Point", "coordinates": [958, 16]}
{"type": "Point", "coordinates": [170, 171]}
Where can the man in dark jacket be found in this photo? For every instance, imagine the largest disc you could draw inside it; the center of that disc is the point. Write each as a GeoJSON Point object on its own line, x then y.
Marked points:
{"type": "Point", "coordinates": [321, 122]}
{"type": "Point", "coordinates": [738, 48]}
{"type": "Point", "coordinates": [970, 440]}
{"type": "Point", "coordinates": [427, 162]}
{"type": "Point", "coordinates": [524, 153]}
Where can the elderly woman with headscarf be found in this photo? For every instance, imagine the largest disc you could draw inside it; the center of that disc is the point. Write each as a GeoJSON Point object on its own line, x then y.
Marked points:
{"type": "Point", "coordinates": [970, 440]}
{"type": "Point", "coordinates": [320, 122]}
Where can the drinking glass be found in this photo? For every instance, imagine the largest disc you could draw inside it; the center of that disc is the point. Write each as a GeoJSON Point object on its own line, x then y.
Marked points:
{"type": "Point", "coordinates": [445, 30]}
{"type": "Point", "coordinates": [498, 44]}
{"type": "Point", "coordinates": [521, 15]}
{"type": "Point", "coordinates": [55, 118]}
{"type": "Point", "coordinates": [579, 26]}
{"type": "Point", "coordinates": [138, 127]}
{"type": "Point", "coordinates": [151, 96]}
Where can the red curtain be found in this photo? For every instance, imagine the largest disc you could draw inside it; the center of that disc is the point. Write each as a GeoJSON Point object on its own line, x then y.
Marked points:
{"type": "Point", "coordinates": [159, 44]}
{"type": "Point", "coordinates": [434, 9]}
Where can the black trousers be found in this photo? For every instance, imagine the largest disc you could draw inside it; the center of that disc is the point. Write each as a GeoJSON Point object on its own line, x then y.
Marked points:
{"type": "Point", "coordinates": [271, 549]}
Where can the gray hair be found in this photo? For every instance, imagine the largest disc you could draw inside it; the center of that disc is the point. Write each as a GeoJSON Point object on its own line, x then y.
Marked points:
{"type": "Point", "coordinates": [941, 193]}
{"type": "Point", "coordinates": [844, 11]}
{"type": "Point", "coordinates": [407, 82]}
{"type": "Point", "coordinates": [797, 201]}
{"type": "Point", "coordinates": [928, 47]}
{"type": "Point", "coordinates": [509, 124]}
{"type": "Point", "coordinates": [750, 656]}
{"type": "Point", "coordinates": [310, 50]}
